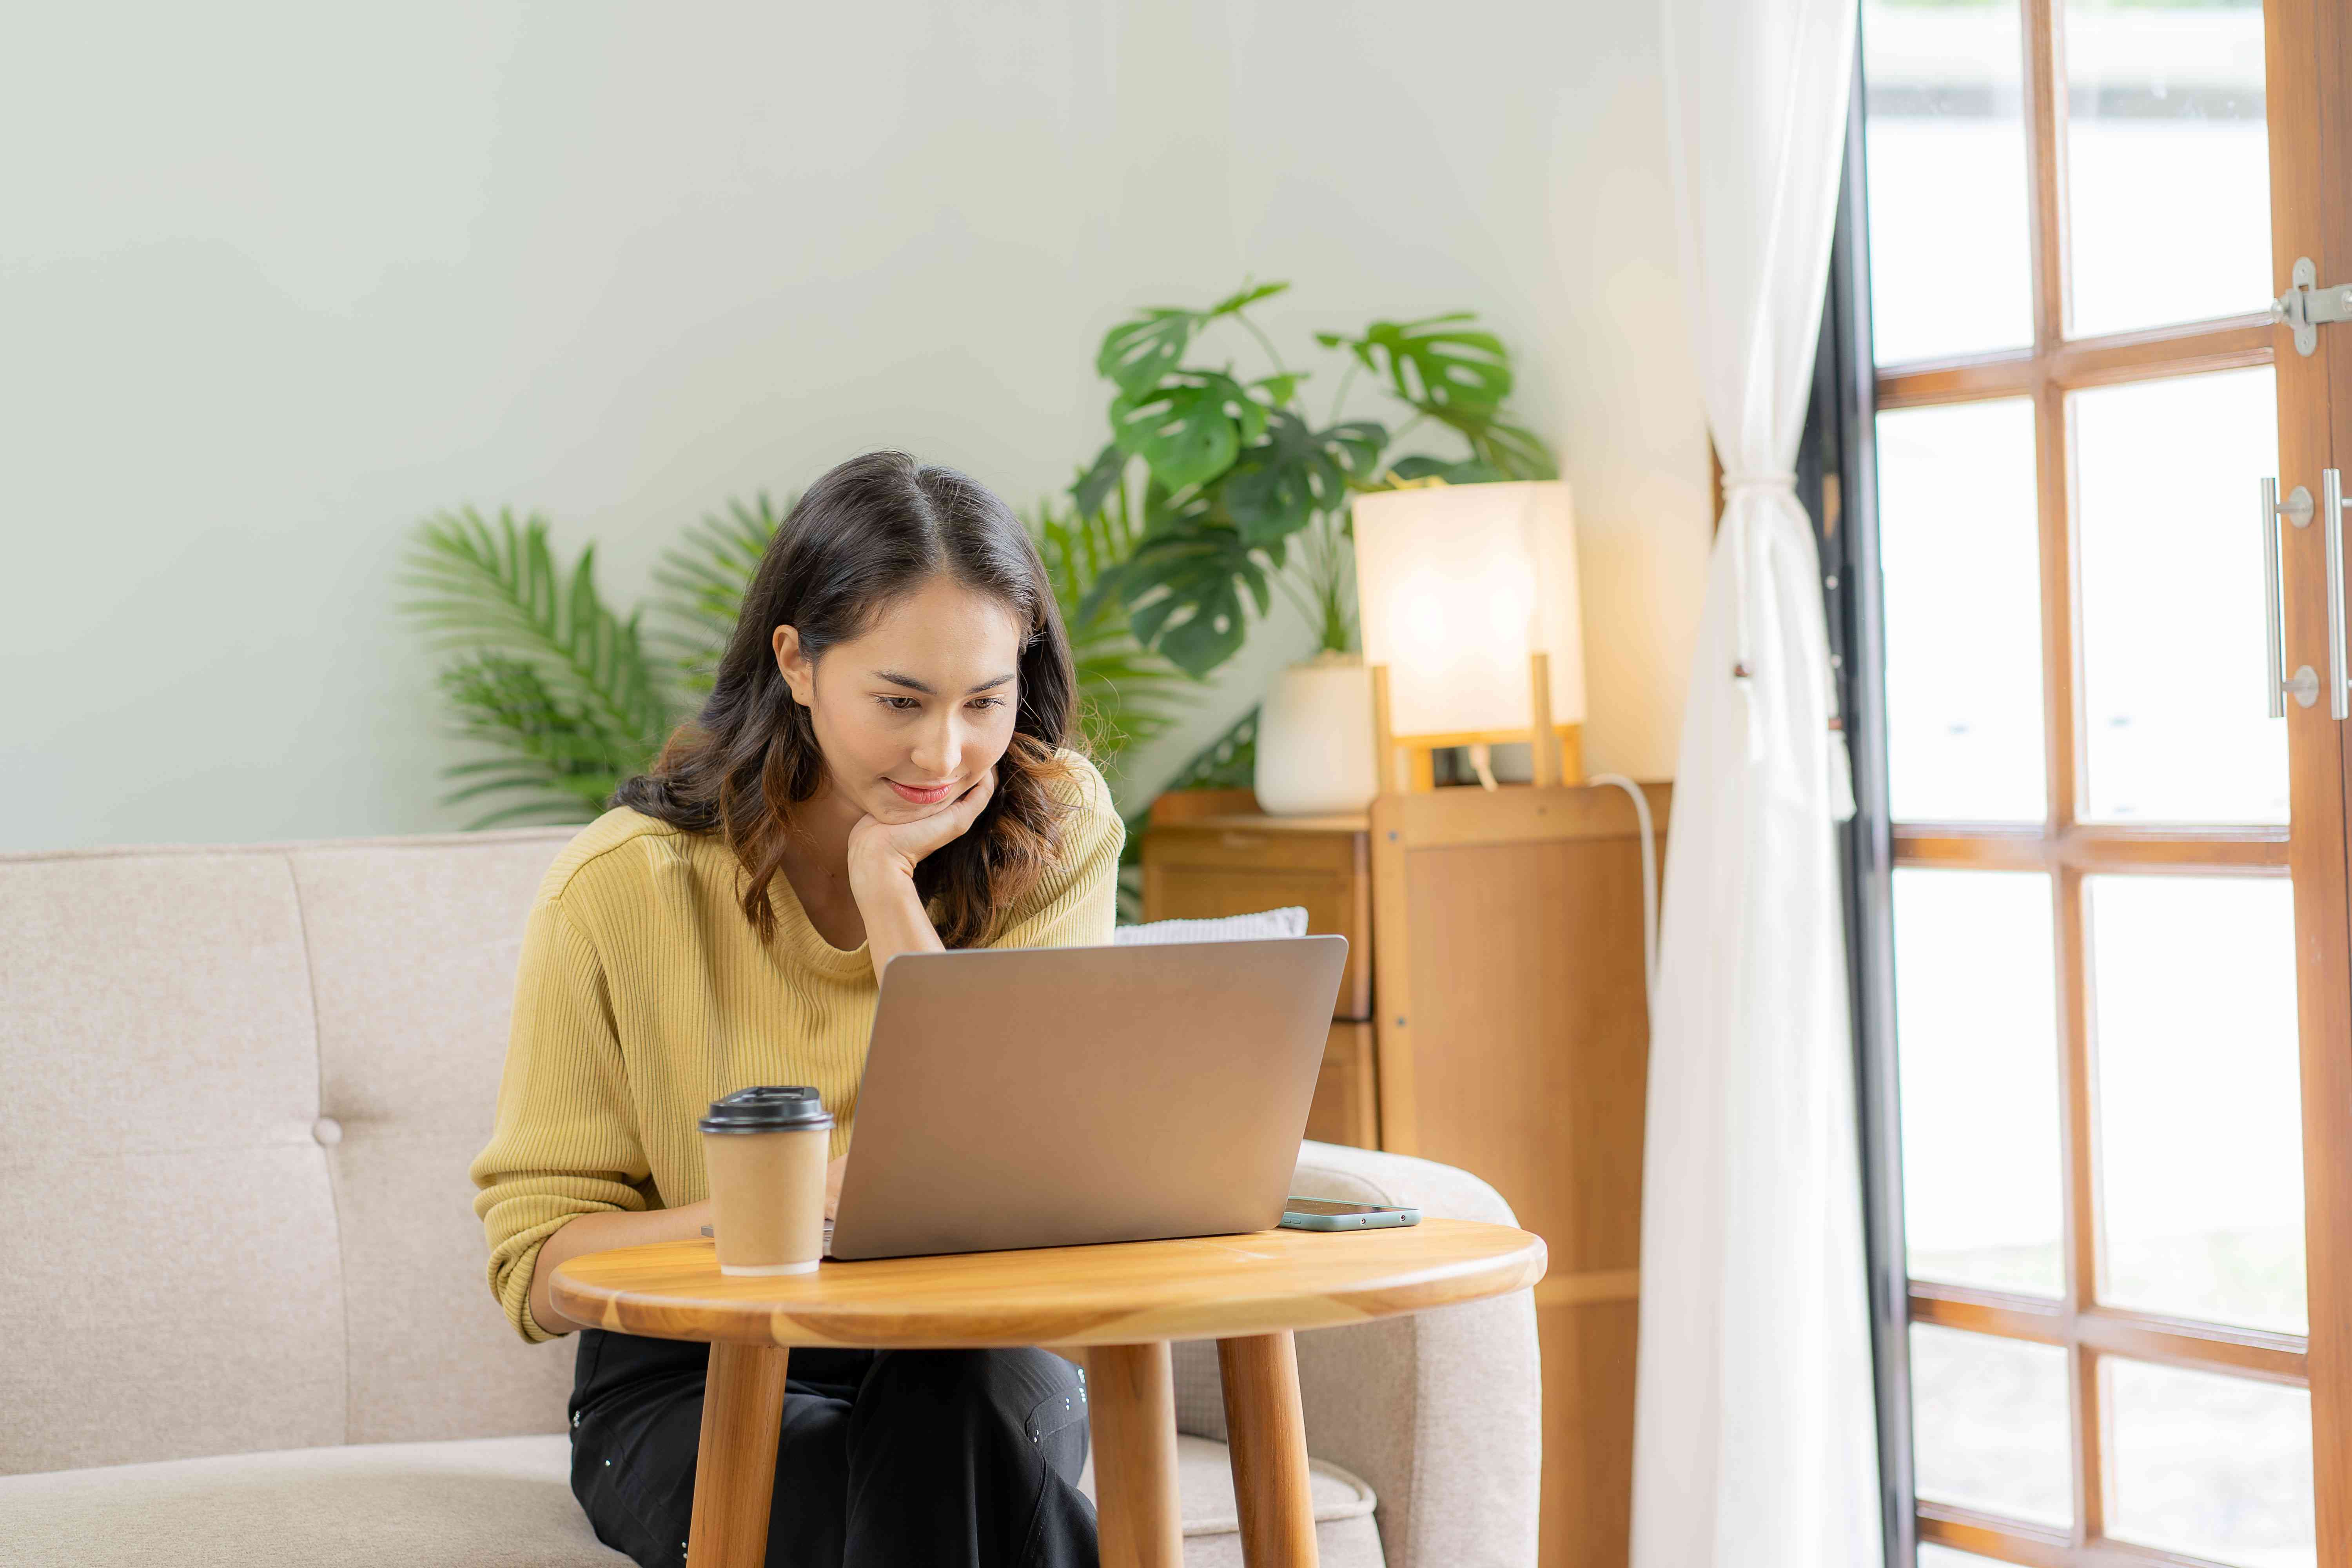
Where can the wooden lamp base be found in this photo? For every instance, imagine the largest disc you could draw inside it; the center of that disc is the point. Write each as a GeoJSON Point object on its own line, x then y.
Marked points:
{"type": "Point", "coordinates": [1407, 763]}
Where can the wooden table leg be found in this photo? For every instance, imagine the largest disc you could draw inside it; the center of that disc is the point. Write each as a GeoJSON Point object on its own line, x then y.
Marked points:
{"type": "Point", "coordinates": [1131, 1411]}
{"type": "Point", "coordinates": [1265, 1433]}
{"type": "Point", "coordinates": [735, 1469]}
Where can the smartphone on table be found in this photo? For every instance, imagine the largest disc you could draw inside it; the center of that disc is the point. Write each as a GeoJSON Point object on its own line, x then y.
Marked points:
{"type": "Point", "coordinates": [1323, 1214]}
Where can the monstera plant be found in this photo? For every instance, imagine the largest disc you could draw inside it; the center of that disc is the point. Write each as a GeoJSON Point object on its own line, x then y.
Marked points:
{"type": "Point", "coordinates": [1236, 491]}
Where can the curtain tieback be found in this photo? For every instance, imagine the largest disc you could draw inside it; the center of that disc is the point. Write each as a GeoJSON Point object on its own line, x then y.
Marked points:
{"type": "Point", "coordinates": [1745, 540]}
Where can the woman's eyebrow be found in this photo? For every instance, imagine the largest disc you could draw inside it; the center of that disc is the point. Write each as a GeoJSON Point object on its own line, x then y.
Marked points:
{"type": "Point", "coordinates": [912, 684]}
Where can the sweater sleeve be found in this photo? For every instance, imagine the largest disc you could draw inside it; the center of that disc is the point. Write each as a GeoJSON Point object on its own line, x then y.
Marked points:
{"type": "Point", "coordinates": [1075, 903]}
{"type": "Point", "coordinates": [565, 1142]}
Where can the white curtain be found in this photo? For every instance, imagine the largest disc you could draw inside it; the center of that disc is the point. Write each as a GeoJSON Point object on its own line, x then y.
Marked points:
{"type": "Point", "coordinates": [1755, 1436]}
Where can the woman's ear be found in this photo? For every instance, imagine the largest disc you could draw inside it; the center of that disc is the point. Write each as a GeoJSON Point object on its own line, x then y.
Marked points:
{"type": "Point", "coordinates": [799, 672]}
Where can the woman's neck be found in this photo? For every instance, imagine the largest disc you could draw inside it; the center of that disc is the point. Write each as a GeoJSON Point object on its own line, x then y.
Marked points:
{"type": "Point", "coordinates": [816, 863]}
{"type": "Point", "coordinates": [820, 828]}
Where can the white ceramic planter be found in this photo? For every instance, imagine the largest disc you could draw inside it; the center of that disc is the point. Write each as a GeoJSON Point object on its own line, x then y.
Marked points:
{"type": "Point", "coordinates": [1315, 739]}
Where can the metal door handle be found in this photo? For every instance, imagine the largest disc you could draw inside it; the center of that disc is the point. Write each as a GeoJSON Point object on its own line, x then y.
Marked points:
{"type": "Point", "coordinates": [2296, 510]}
{"type": "Point", "coordinates": [2274, 624]}
{"type": "Point", "coordinates": [2331, 521]}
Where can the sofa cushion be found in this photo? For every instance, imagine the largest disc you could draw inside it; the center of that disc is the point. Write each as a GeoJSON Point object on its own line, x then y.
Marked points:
{"type": "Point", "coordinates": [413, 956]}
{"type": "Point", "coordinates": [247, 1083]}
{"type": "Point", "coordinates": [492, 1503]}
{"type": "Point", "coordinates": [180, 1292]}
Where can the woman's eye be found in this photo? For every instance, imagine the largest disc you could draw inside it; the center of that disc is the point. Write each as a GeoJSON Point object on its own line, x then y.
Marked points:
{"type": "Point", "coordinates": [902, 704]}
{"type": "Point", "coordinates": [989, 702]}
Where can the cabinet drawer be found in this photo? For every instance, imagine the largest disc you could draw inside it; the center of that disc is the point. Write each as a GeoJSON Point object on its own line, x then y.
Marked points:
{"type": "Point", "coordinates": [1203, 873]}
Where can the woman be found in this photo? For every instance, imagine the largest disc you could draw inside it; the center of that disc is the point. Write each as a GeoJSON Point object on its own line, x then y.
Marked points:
{"type": "Point", "coordinates": [882, 767]}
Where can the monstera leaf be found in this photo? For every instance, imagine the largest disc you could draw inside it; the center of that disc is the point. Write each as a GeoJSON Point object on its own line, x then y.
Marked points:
{"type": "Point", "coordinates": [1436, 366]}
{"type": "Point", "coordinates": [1136, 353]}
{"type": "Point", "coordinates": [1184, 584]}
{"type": "Point", "coordinates": [1279, 485]}
{"type": "Point", "coordinates": [1183, 591]}
{"type": "Point", "coordinates": [1190, 426]}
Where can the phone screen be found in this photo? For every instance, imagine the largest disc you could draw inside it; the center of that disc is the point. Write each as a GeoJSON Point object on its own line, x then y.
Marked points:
{"type": "Point", "coordinates": [1325, 1206]}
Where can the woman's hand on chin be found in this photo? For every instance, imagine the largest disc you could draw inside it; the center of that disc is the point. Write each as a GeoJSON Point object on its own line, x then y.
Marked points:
{"type": "Point", "coordinates": [885, 848]}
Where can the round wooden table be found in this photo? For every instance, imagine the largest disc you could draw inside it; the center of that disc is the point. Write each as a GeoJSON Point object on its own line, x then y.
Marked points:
{"type": "Point", "coordinates": [1123, 1301]}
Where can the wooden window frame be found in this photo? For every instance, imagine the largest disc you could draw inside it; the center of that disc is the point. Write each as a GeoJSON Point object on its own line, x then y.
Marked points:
{"type": "Point", "coordinates": [1841, 461]}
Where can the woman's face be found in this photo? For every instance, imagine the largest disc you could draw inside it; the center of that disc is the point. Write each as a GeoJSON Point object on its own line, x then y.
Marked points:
{"type": "Point", "coordinates": [910, 714]}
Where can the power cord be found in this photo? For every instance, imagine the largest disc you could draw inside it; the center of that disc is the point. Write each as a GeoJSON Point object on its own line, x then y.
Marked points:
{"type": "Point", "coordinates": [1649, 883]}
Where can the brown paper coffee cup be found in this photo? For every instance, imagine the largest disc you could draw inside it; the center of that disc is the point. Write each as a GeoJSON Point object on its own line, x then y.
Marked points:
{"type": "Point", "coordinates": [764, 1151]}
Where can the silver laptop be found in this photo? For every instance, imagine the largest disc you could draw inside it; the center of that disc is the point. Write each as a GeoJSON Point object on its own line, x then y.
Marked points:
{"type": "Point", "coordinates": [1048, 1097]}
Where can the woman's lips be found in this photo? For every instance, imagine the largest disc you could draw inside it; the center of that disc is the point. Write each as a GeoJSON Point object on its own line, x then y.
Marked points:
{"type": "Point", "coordinates": [914, 796]}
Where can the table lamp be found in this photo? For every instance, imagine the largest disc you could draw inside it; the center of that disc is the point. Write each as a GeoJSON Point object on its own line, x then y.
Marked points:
{"type": "Point", "coordinates": [1470, 623]}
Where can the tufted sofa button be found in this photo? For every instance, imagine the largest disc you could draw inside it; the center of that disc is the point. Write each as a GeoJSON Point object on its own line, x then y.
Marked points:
{"type": "Point", "coordinates": [327, 1130]}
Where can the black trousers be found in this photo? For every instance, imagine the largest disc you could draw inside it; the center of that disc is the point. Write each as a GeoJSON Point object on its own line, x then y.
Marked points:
{"type": "Point", "coordinates": [886, 1459]}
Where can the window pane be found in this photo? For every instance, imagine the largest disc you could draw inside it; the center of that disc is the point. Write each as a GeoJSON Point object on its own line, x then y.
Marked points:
{"type": "Point", "coordinates": [1944, 143]}
{"type": "Point", "coordinates": [1976, 1062]}
{"type": "Point", "coordinates": [1959, 554]}
{"type": "Point", "coordinates": [2216, 1466]}
{"type": "Point", "coordinates": [2168, 175]}
{"type": "Point", "coordinates": [1989, 1425]}
{"type": "Point", "coordinates": [1933, 1556]}
{"type": "Point", "coordinates": [2173, 661]}
{"type": "Point", "coordinates": [2201, 1144]}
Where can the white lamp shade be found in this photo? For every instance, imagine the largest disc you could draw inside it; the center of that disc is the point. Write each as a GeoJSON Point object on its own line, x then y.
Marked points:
{"type": "Point", "coordinates": [1457, 584]}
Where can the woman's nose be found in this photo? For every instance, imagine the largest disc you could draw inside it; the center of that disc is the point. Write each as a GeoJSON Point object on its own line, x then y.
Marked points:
{"type": "Point", "coordinates": [939, 747]}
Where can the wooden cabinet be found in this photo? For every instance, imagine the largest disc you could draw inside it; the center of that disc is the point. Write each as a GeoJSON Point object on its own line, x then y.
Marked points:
{"type": "Point", "coordinates": [1493, 1017]}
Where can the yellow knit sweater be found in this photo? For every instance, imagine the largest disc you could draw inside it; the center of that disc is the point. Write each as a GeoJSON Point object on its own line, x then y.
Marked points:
{"type": "Point", "coordinates": [643, 994]}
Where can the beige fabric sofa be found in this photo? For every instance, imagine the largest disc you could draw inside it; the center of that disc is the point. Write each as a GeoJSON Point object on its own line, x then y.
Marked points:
{"type": "Point", "coordinates": [243, 1284]}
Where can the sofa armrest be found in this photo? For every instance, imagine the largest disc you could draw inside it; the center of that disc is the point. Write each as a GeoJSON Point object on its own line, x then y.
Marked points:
{"type": "Point", "coordinates": [1440, 1412]}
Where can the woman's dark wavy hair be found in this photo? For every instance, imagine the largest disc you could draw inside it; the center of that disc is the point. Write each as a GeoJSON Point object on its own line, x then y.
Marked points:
{"type": "Point", "coordinates": [870, 531]}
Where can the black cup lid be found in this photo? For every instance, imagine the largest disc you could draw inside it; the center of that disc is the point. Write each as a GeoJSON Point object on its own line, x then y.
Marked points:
{"type": "Point", "coordinates": [768, 1108]}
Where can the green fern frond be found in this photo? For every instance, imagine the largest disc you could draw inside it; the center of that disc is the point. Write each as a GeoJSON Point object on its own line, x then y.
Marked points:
{"type": "Point", "coordinates": [564, 763]}
{"type": "Point", "coordinates": [503, 591]}
{"type": "Point", "coordinates": [706, 574]}
{"type": "Point", "coordinates": [546, 677]}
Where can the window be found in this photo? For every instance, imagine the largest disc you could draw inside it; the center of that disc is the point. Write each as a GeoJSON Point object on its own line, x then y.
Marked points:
{"type": "Point", "coordinates": [2079, 969]}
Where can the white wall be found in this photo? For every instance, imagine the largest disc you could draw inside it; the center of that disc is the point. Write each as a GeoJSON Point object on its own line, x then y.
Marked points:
{"type": "Point", "coordinates": [275, 282]}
